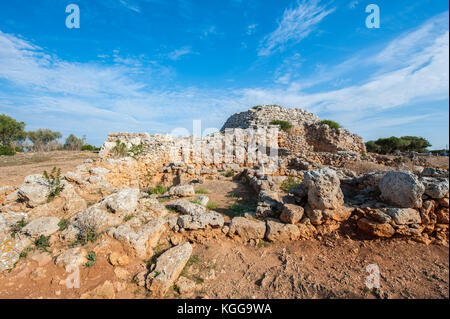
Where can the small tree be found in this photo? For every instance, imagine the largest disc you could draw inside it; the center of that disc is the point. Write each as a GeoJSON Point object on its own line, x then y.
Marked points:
{"type": "Point", "coordinates": [42, 137]}
{"type": "Point", "coordinates": [74, 143]}
{"type": "Point", "coordinates": [11, 130]}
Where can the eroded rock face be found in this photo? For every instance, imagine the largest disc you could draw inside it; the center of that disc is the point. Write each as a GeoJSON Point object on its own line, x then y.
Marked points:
{"type": "Point", "coordinates": [168, 267]}
{"type": "Point", "coordinates": [324, 190]}
{"type": "Point", "coordinates": [124, 202]}
{"type": "Point", "coordinates": [247, 229]}
{"type": "Point", "coordinates": [402, 189]}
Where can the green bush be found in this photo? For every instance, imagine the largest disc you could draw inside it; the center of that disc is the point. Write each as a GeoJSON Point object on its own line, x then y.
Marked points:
{"type": "Point", "coordinates": [284, 125]}
{"type": "Point", "coordinates": [89, 147]}
{"type": "Point", "coordinates": [120, 149]}
{"type": "Point", "coordinates": [331, 124]}
{"type": "Point", "coordinates": [11, 130]}
{"type": "Point", "coordinates": [7, 150]}
{"type": "Point", "coordinates": [287, 184]}
{"type": "Point", "coordinates": [54, 180]}
{"type": "Point", "coordinates": [403, 144]}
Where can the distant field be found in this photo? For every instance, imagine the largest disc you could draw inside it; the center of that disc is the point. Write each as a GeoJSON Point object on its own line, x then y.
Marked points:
{"type": "Point", "coordinates": [13, 169]}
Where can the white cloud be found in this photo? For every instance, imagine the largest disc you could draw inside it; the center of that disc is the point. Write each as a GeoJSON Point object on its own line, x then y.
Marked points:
{"type": "Point", "coordinates": [129, 5]}
{"type": "Point", "coordinates": [178, 53]}
{"type": "Point", "coordinates": [251, 29]}
{"type": "Point", "coordinates": [295, 25]}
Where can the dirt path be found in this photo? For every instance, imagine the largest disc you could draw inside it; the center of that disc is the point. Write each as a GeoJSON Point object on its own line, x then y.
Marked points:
{"type": "Point", "coordinates": [13, 169]}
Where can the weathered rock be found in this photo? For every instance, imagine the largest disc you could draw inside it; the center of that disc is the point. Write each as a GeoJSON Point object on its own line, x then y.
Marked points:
{"type": "Point", "coordinates": [291, 214]}
{"type": "Point", "coordinates": [168, 267]}
{"type": "Point", "coordinates": [247, 229]}
{"type": "Point", "coordinates": [339, 214]}
{"type": "Point", "coordinates": [200, 221]}
{"type": "Point", "coordinates": [99, 171]}
{"type": "Point", "coordinates": [402, 189]}
{"type": "Point", "coordinates": [44, 226]}
{"type": "Point", "coordinates": [404, 216]}
{"type": "Point", "coordinates": [33, 194]}
{"type": "Point", "coordinates": [314, 215]}
{"type": "Point", "coordinates": [74, 177]}
{"type": "Point", "coordinates": [72, 256]}
{"type": "Point", "coordinates": [434, 172]}
{"type": "Point", "coordinates": [277, 231]}
{"type": "Point", "coordinates": [124, 202]}
{"type": "Point", "coordinates": [9, 219]}
{"type": "Point", "coordinates": [186, 207]}
{"type": "Point", "coordinates": [10, 249]}
{"type": "Point", "coordinates": [435, 187]}
{"type": "Point", "coordinates": [144, 239]}
{"type": "Point", "coordinates": [324, 190]}
{"type": "Point", "coordinates": [182, 191]}
{"type": "Point", "coordinates": [97, 219]}
{"type": "Point", "coordinates": [375, 228]}
{"type": "Point", "coordinates": [117, 259]}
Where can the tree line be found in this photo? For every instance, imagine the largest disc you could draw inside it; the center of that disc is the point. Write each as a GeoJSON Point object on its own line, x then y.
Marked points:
{"type": "Point", "coordinates": [403, 144]}
{"type": "Point", "coordinates": [13, 138]}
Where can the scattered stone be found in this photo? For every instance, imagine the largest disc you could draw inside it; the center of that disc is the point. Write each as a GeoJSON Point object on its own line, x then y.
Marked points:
{"type": "Point", "coordinates": [182, 191]}
{"type": "Point", "coordinates": [104, 291]}
{"type": "Point", "coordinates": [375, 228]}
{"type": "Point", "coordinates": [277, 231]}
{"type": "Point", "coordinates": [72, 256]}
{"type": "Point", "coordinates": [404, 216]}
{"type": "Point", "coordinates": [117, 259]}
{"type": "Point", "coordinates": [247, 229]}
{"type": "Point", "coordinates": [168, 267]}
{"type": "Point", "coordinates": [291, 214]}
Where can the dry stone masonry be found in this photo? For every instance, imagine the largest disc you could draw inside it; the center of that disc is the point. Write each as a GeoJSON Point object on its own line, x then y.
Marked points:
{"type": "Point", "coordinates": [310, 158]}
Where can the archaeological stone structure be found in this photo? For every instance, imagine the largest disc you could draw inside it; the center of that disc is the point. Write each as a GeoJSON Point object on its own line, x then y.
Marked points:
{"type": "Point", "coordinates": [311, 158]}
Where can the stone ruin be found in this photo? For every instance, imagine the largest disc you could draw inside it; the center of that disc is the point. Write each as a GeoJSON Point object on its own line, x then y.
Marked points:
{"type": "Point", "coordinates": [380, 204]}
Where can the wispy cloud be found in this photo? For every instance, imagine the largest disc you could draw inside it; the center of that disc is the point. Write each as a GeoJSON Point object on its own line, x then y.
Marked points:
{"type": "Point", "coordinates": [251, 29]}
{"type": "Point", "coordinates": [178, 53]}
{"type": "Point", "coordinates": [296, 24]}
{"type": "Point", "coordinates": [129, 5]}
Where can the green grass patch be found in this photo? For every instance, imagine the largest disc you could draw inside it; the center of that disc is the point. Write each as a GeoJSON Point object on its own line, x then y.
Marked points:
{"type": "Point", "coordinates": [158, 190]}
{"type": "Point", "coordinates": [201, 191]}
{"type": "Point", "coordinates": [287, 184]}
{"type": "Point", "coordinates": [284, 125]}
{"type": "Point", "coordinates": [92, 258]}
{"type": "Point", "coordinates": [211, 205]}
{"type": "Point", "coordinates": [43, 242]}
{"type": "Point", "coordinates": [63, 224]}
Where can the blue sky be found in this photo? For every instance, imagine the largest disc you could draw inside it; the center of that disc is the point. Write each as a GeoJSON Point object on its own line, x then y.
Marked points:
{"type": "Point", "coordinates": [156, 65]}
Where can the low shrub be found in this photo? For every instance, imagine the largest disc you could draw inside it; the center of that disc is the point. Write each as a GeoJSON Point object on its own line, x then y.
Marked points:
{"type": "Point", "coordinates": [284, 125]}
{"type": "Point", "coordinates": [7, 150]}
{"type": "Point", "coordinates": [331, 124]}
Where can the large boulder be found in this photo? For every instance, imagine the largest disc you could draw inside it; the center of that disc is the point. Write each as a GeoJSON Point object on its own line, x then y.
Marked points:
{"type": "Point", "coordinates": [402, 189]}
{"type": "Point", "coordinates": [324, 191]}
{"type": "Point", "coordinates": [168, 267]}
